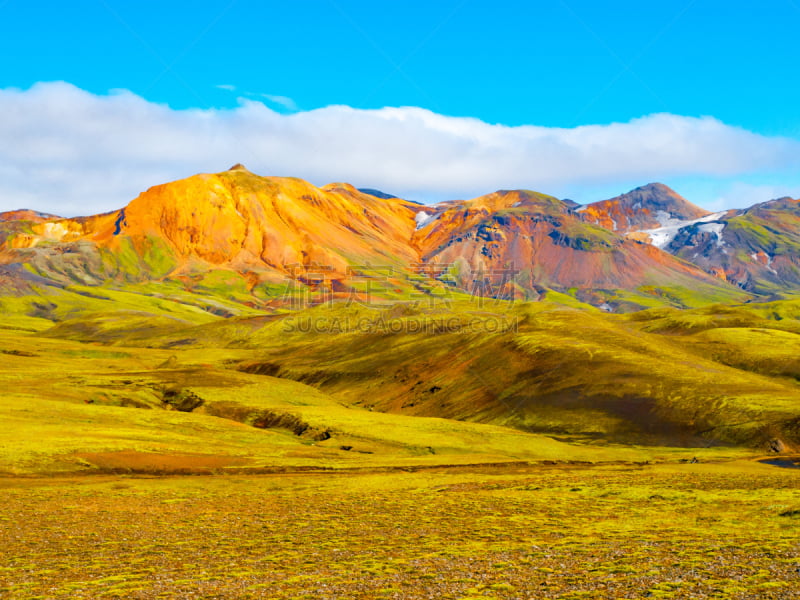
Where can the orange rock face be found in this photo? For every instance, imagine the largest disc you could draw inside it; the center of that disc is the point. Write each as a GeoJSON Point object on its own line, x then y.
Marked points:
{"type": "Point", "coordinates": [547, 242]}
{"type": "Point", "coordinates": [238, 219]}
{"type": "Point", "coordinates": [646, 207]}
{"type": "Point", "coordinates": [259, 226]}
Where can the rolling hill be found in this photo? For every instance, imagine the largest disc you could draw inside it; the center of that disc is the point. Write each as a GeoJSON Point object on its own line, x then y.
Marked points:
{"type": "Point", "coordinates": [384, 325]}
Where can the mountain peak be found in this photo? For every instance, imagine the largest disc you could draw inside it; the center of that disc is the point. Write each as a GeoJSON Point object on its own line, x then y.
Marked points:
{"type": "Point", "coordinates": [239, 167]}
{"type": "Point", "coordinates": [507, 199]}
{"type": "Point", "coordinates": [241, 220]}
{"type": "Point", "coordinates": [24, 214]}
{"type": "Point", "coordinates": [646, 207]}
{"type": "Point", "coordinates": [340, 187]}
{"type": "Point", "coordinates": [655, 186]}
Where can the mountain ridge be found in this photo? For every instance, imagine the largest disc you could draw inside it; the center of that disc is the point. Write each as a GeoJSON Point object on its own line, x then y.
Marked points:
{"type": "Point", "coordinates": [757, 248]}
{"type": "Point", "coordinates": [264, 228]}
{"type": "Point", "coordinates": [646, 207]}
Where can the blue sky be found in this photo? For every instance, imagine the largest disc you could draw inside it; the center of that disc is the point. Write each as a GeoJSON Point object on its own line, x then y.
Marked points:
{"type": "Point", "coordinates": [559, 64]}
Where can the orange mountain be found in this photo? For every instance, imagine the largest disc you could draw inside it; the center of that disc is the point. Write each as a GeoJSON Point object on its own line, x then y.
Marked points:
{"type": "Point", "coordinates": [241, 220]}
{"type": "Point", "coordinates": [26, 215]}
{"type": "Point", "coordinates": [646, 207]}
{"type": "Point", "coordinates": [548, 242]}
{"type": "Point", "coordinates": [264, 227]}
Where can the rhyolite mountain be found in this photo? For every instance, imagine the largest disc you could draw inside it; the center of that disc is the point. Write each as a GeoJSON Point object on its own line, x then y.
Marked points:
{"type": "Point", "coordinates": [263, 227]}
{"type": "Point", "coordinates": [648, 207]}
{"type": "Point", "coordinates": [522, 243]}
{"type": "Point", "coordinates": [545, 242]}
{"type": "Point", "coordinates": [25, 214]}
{"type": "Point", "coordinates": [757, 248]}
{"type": "Point", "coordinates": [231, 220]}
{"type": "Point", "coordinates": [241, 220]}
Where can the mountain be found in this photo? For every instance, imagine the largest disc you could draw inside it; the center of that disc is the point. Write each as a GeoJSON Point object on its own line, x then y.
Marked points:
{"type": "Point", "coordinates": [757, 248]}
{"type": "Point", "coordinates": [233, 220]}
{"type": "Point", "coordinates": [549, 243]}
{"type": "Point", "coordinates": [26, 215]}
{"type": "Point", "coordinates": [15, 223]}
{"type": "Point", "coordinates": [242, 220]}
{"type": "Point", "coordinates": [647, 207]}
{"type": "Point", "coordinates": [263, 229]}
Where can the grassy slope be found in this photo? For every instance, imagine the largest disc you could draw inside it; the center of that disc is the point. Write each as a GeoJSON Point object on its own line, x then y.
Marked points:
{"type": "Point", "coordinates": [645, 378]}
{"type": "Point", "coordinates": [560, 371]}
{"type": "Point", "coordinates": [79, 407]}
{"type": "Point", "coordinates": [664, 376]}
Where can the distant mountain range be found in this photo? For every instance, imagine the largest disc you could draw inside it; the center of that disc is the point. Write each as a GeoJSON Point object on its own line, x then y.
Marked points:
{"type": "Point", "coordinates": [757, 248]}
{"type": "Point", "coordinates": [647, 247]}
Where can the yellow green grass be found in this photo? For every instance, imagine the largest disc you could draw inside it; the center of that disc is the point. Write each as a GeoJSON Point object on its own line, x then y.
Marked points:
{"type": "Point", "coordinates": [678, 531]}
{"type": "Point", "coordinates": [64, 400]}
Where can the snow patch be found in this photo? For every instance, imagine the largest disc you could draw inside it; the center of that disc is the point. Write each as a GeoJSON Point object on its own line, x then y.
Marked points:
{"type": "Point", "coordinates": [667, 220]}
{"type": "Point", "coordinates": [755, 258]}
{"type": "Point", "coordinates": [769, 265]}
{"type": "Point", "coordinates": [716, 229]}
{"type": "Point", "coordinates": [422, 218]}
{"type": "Point", "coordinates": [662, 236]}
{"type": "Point", "coordinates": [712, 217]}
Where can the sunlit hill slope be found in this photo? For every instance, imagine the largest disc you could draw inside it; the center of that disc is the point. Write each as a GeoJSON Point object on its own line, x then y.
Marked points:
{"type": "Point", "coordinates": [236, 321]}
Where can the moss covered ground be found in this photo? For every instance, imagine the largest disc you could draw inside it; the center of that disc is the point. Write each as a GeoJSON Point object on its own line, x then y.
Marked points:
{"type": "Point", "coordinates": [168, 440]}
{"type": "Point", "coordinates": [678, 531]}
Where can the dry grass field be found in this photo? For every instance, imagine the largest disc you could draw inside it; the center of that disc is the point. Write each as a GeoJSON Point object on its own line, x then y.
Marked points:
{"type": "Point", "coordinates": [722, 530]}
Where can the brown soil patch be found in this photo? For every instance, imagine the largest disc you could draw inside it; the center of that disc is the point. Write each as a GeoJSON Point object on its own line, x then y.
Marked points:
{"type": "Point", "coordinates": [131, 461]}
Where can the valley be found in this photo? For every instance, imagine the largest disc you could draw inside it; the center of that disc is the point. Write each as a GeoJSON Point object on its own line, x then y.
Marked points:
{"type": "Point", "coordinates": [250, 387]}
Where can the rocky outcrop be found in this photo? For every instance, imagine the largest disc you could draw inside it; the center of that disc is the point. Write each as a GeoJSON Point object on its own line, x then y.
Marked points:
{"type": "Point", "coordinates": [757, 249]}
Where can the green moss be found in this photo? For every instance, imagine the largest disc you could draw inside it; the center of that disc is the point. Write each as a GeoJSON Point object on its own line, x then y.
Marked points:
{"type": "Point", "coordinates": [767, 232]}
{"type": "Point", "coordinates": [158, 257]}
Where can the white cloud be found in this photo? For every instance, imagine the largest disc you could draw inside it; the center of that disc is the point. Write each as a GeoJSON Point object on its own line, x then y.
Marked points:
{"type": "Point", "coordinates": [227, 87]}
{"type": "Point", "coordinates": [68, 151]}
{"type": "Point", "coordinates": [282, 101]}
